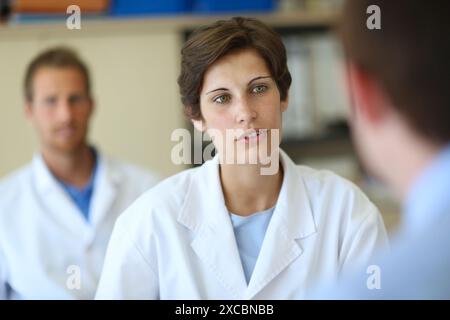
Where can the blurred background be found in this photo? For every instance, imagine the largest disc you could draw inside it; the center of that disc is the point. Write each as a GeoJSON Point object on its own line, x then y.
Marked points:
{"type": "Point", "coordinates": [133, 49]}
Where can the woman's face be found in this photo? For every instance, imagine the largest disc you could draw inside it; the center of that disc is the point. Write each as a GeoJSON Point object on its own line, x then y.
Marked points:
{"type": "Point", "coordinates": [240, 104]}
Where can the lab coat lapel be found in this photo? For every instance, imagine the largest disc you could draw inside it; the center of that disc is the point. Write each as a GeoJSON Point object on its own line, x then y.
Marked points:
{"type": "Point", "coordinates": [56, 203]}
{"type": "Point", "coordinates": [204, 212]}
{"type": "Point", "coordinates": [292, 220]}
{"type": "Point", "coordinates": [105, 190]}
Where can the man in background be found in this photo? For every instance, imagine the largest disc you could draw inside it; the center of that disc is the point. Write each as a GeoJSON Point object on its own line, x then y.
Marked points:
{"type": "Point", "coordinates": [57, 213]}
{"type": "Point", "coordinates": [400, 83]}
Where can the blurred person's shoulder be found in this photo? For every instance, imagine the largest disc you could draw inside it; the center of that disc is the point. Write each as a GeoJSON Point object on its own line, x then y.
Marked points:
{"type": "Point", "coordinates": [13, 185]}
{"type": "Point", "coordinates": [130, 173]}
{"type": "Point", "coordinates": [15, 180]}
{"type": "Point", "coordinates": [163, 201]}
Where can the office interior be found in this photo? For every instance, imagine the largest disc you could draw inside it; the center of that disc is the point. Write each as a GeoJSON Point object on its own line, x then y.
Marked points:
{"type": "Point", "coordinates": [133, 51]}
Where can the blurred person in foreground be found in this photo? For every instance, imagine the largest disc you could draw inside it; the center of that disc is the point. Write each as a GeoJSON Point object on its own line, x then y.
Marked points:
{"type": "Point", "coordinates": [399, 79]}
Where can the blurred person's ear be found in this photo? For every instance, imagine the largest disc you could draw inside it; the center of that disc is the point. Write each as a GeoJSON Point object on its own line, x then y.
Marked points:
{"type": "Point", "coordinates": [92, 106]}
{"type": "Point", "coordinates": [28, 110]}
{"type": "Point", "coordinates": [369, 100]}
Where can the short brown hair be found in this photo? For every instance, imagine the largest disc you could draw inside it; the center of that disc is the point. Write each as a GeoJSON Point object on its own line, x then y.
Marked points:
{"type": "Point", "coordinates": [58, 57]}
{"type": "Point", "coordinates": [409, 57]}
{"type": "Point", "coordinates": [210, 43]}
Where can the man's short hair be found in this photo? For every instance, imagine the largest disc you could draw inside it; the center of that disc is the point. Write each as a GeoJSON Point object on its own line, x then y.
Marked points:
{"type": "Point", "coordinates": [409, 57]}
{"type": "Point", "coordinates": [58, 57]}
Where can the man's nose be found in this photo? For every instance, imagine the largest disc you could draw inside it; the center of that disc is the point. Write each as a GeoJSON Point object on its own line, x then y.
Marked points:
{"type": "Point", "coordinates": [65, 110]}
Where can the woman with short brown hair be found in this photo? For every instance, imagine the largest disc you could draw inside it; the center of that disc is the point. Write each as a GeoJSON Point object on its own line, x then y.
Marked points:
{"type": "Point", "coordinates": [243, 225]}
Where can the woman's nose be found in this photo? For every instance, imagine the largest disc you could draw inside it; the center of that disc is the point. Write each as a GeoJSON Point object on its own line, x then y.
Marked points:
{"type": "Point", "coordinates": [245, 113]}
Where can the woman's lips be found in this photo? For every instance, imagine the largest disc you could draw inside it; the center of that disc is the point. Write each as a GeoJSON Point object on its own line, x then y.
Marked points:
{"type": "Point", "coordinates": [252, 135]}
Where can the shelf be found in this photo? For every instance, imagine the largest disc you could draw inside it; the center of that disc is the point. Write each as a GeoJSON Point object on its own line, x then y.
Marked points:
{"type": "Point", "coordinates": [297, 19]}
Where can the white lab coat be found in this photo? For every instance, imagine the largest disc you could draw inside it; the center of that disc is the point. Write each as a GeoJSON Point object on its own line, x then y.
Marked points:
{"type": "Point", "coordinates": [177, 241]}
{"type": "Point", "coordinates": [47, 248]}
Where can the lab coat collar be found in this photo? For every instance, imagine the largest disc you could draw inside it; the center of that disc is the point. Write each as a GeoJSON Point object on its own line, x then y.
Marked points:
{"type": "Point", "coordinates": [105, 187]}
{"type": "Point", "coordinates": [294, 202]}
{"type": "Point", "coordinates": [292, 221]}
{"type": "Point", "coordinates": [205, 213]}
{"type": "Point", "coordinates": [46, 181]}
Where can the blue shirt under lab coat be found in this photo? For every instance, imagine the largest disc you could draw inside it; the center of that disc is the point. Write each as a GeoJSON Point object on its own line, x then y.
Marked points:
{"type": "Point", "coordinates": [249, 233]}
{"type": "Point", "coordinates": [82, 197]}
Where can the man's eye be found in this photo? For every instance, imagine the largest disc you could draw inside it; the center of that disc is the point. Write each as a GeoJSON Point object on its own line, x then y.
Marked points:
{"type": "Point", "coordinates": [259, 89]}
{"type": "Point", "coordinates": [75, 99]}
{"type": "Point", "coordinates": [50, 101]}
{"type": "Point", "coordinates": [222, 99]}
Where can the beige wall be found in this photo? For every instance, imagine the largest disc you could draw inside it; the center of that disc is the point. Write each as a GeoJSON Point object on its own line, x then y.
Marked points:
{"type": "Point", "coordinates": [134, 78]}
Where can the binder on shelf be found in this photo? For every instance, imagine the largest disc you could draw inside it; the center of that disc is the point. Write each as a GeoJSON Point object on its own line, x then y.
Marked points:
{"type": "Point", "coordinates": [329, 81]}
{"type": "Point", "coordinates": [318, 94]}
{"type": "Point", "coordinates": [60, 6]}
{"type": "Point", "coordinates": [299, 120]}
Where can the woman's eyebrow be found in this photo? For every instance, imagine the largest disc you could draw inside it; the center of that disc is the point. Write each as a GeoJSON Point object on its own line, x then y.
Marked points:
{"type": "Point", "coordinates": [258, 78]}
{"type": "Point", "coordinates": [218, 89]}
{"type": "Point", "coordinates": [249, 83]}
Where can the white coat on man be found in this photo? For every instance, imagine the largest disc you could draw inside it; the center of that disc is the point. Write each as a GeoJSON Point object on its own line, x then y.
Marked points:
{"type": "Point", "coordinates": [48, 250]}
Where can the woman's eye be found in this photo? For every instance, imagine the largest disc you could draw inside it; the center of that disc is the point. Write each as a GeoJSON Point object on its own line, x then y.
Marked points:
{"type": "Point", "coordinates": [259, 89]}
{"type": "Point", "coordinates": [222, 99]}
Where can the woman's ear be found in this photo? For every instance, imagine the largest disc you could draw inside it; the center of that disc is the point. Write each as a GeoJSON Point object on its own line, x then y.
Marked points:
{"type": "Point", "coordinates": [285, 102]}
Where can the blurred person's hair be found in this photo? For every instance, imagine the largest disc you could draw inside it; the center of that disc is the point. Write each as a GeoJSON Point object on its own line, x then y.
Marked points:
{"type": "Point", "coordinates": [58, 57]}
{"type": "Point", "coordinates": [210, 43]}
{"type": "Point", "coordinates": [409, 57]}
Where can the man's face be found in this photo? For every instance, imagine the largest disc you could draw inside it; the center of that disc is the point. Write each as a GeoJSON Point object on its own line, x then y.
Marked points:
{"type": "Point", "coordinates": [60, 108]}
